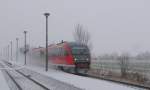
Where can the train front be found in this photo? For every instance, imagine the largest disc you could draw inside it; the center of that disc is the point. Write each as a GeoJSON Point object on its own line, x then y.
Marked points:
{"type": "Point", "coordinates": [81, 56]}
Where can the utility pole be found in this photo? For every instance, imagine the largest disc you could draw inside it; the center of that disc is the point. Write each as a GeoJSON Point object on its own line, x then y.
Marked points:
{"type": "Point", "coordinates": [8, 52]}
{"type": "Point", "coordinates": [46, 15]}
{"type": "Point", "coordinates": [4, 52]}
{"type": "Point", "coordinates": [11, 49]}
{"type": "Point", "coordinates": [25, 46]}
{"type": "Point", "coordinates": [17, 49]}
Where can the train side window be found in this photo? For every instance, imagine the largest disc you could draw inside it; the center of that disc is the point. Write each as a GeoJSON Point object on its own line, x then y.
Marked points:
{"type": "Point", "coordinates": [63, 51]}
{"type": "Point", "coordinates": [55, 52]}
{"type": "Point", "coordinates": [59, 53]}
{"type": "Point", "coordinates": [66, 53]}
{"type": "Point", "coordinates": [52, 52]}
{"type": "Point", "coordinates": [60, 50]}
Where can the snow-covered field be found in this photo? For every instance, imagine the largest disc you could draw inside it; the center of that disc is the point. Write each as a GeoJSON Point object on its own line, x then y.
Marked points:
{"type": "Point", "coordinates": [140, 66]}
{"type": "Point", "coordinates": [84, 83]}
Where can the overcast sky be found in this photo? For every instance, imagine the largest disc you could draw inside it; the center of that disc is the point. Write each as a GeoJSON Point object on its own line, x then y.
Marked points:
{"type": "Point", "coordinates": [115, 25]}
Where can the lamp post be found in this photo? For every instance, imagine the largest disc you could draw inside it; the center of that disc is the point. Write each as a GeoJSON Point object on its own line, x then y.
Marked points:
{"type": "Point", "coordinates": [46, 15]}
{"type": "Point", "coordinates": [8, 52]}
{"type": "Point", "coordinates": [25, 50]}
{"type": "Point", "coordinates": [3, 52]}
{"type": "Point", "coordinates": [17, 49]}
{"type": "Point", "coordinates": [11, 50]}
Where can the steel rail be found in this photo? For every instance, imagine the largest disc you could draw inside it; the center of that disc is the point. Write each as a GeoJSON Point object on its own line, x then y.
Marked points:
{"type": "Point", "coordinates": [11, 77]}
{"type": "Point", "coordinates": [121, 82]}
{"type": "Point", "coordinates": [18, 86]}
{"type": "Point", "coordinates": [28, 77]}
{"type": "Point", "coordinates": [112, 80]}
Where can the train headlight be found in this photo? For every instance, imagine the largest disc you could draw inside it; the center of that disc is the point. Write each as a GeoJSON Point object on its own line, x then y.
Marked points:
{"type": "Point", "coordinates": [75, 59]}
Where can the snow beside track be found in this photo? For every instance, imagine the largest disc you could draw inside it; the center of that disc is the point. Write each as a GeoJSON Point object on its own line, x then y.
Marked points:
{"type": "Point", "coordinates": [3, 83]}
{"type": "Point", "coordinates": [84, 83]}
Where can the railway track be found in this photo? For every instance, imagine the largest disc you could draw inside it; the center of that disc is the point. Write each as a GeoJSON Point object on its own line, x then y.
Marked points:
{"type": "Point", "coordinates": [85, 75]}
{"type": "Point", "coordinates": [112, 80]}
{"type": "Point", "coordinates": [22, 81]}
{"type": "Point", "coordinates": [120, 82]}
{"type": "Point", "coordinates": [15, 82]}
{"type": "Point", "coordinates": [46, 81]}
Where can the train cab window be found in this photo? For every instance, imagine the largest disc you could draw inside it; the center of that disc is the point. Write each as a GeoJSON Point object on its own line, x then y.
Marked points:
{"type": "Point", "coordinates": [80, 50]}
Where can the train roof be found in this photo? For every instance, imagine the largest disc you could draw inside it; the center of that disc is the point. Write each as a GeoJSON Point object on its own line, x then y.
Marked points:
{"type": "Point", "coordinates": [70, 43]}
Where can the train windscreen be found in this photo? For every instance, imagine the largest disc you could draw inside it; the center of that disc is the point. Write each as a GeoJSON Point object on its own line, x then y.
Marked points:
{"type": "Point", "coordinates": [80, 50]}
{"type": "Point", "coordinates": [80, 53]}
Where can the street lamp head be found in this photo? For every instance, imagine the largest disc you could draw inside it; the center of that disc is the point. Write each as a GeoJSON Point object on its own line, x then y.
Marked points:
{"type": "Point", "coordinates": [25, 32]}
{"type": "Point", "coordinates": [17, 38]}
{"type": "Point", "coordinates": [46, 14]}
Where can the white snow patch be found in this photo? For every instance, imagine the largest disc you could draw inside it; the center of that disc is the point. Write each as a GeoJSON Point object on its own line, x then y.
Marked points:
{"type": "Point", "coordinates": [80, 81]}
{"type": "Point", "coordinates": [3, 84]}
{"type": "Point", "coordinates": [85, 83]}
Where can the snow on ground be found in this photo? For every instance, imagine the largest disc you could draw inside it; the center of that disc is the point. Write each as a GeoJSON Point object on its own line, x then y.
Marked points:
{"type": "Point", "coordinates": [38, 64]}
{"type": "Point", "coordinates": [78, 81]}
{"type": "Point", "coordinates": [3, 83]}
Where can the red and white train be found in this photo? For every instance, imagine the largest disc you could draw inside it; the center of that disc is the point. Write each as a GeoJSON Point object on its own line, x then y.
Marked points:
{"type": "Point", "coordinates": [69, 56]}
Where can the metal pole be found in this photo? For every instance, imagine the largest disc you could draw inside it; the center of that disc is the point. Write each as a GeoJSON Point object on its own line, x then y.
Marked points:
{"type": "Point", "coordinates": [3, 52]}
{"type": "Point", "coordinates": [17, 49]}
{"type": "Point", "coordinates": [8, 52]}
{"type": "Point", "coordinates": [46, 15]}
{"type": "Point", "coordinates": [6, 57]}
{"type": "Point", "coordinates": [11, 49]}
{"type": "Point", "coordinates": [25, 51]}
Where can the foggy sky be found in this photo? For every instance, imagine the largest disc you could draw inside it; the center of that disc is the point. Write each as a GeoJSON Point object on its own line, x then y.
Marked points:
{"type": "Point", "coordinates": [115, 25]}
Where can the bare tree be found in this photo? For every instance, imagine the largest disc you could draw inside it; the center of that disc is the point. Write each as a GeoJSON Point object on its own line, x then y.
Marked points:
{"type": "Point", "coordinates": [124, 64]}
{"type": "Point", "coordinates": [82, 36]}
